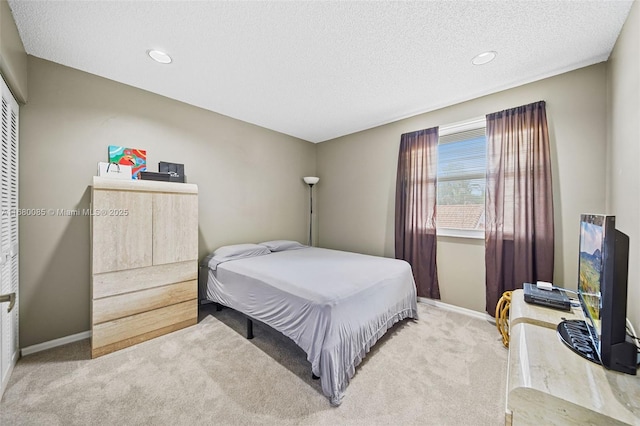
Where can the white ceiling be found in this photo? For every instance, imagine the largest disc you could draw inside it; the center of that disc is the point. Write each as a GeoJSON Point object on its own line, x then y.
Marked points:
{"type": "Point", "coordinates": [319, 70]}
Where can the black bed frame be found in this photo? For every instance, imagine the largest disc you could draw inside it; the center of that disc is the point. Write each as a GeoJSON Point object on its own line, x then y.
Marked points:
{"type": "Point", "coordinates": [249, 321]}
{"type": "Point", "coordinates": [249, 332]}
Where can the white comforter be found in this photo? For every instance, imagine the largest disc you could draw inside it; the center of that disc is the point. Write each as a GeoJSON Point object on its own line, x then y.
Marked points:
{"type": "Point", "coordinates": [335, 305]}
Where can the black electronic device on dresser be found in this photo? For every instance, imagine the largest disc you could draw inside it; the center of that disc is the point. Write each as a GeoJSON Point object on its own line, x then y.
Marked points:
{"type": "Point", "coordinates": [145, 175]}
{"type": "Point", "coordinates": [602, 290]}
{"type": "Point", "coordinates": [168, 172]}
{"type": "Point", "coordinates": [175, 171]}
{"type": "Point", "coordinates": [555, 298]}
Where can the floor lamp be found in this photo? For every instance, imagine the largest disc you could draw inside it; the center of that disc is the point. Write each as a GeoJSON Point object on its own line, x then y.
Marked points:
{"type": "Point", "coordinates": [311, 180]}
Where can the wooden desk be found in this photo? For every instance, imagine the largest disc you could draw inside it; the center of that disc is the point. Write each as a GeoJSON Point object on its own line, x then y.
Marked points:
{"type": "Point", "coordinates": [521, 311]}
{"type": "Point", "coordinates": [549, 384]}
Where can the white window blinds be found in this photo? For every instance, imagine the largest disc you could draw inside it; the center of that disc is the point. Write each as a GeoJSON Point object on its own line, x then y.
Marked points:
{"type": "Point", "coordinates": [462, 179]}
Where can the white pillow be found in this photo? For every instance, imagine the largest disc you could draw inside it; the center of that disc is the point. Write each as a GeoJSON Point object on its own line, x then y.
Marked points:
{"type": "Point", "coordinates": [236, 251]}
{"type": "Point", "coordinates": [240, 250]}
{"type": "Point", "coordinates": [282, 245]}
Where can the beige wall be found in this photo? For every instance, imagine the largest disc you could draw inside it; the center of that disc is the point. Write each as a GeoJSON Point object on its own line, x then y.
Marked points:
{"type": "Point", "coordinates": [623, 118]}
{"type": "Point", "coordinates": [249, 180]}
{"type": "Point", "coordinates": [358, 172]}
{"type": "Point", "coordinates": [13, 58]}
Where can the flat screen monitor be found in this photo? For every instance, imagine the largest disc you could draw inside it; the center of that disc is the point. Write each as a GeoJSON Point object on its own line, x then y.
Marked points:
{"type": "Point", "coordinates": [593, 229]}
{"type": "Point", "coordinates": [602, 289]}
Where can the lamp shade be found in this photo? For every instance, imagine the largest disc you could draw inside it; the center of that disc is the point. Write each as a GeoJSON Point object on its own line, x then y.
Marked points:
{"type": "Point", "coordinates": [311, 180]}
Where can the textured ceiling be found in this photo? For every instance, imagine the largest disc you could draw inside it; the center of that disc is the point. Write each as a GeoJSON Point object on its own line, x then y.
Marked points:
{"type": "Point", "coordinates": [319, 70]}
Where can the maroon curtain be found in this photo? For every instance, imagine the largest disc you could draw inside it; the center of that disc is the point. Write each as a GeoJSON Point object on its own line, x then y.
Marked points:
{"type": "Point", "coordinates": [519, 203]}
{"type": "Point", "coordinates": [415, 221]}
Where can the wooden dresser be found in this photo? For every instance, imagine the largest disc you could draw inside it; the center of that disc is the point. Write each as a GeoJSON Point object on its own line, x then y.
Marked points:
{"type": "Point", "coordinates": [548, 384]}
{"type": "Point", "coordinates": [144, 242]}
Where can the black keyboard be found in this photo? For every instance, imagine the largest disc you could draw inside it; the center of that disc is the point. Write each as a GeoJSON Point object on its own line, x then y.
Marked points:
{"type": "Point", "coordinates": [577, 334]}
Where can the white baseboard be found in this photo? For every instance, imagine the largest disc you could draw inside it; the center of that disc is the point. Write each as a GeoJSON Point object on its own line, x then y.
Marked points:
{"type": "Point", "coordinates": [458, 309]}
{"type": "Point", "coordinates": [55, 343]}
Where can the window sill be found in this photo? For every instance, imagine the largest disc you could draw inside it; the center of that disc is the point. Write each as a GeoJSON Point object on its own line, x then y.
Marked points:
{"type": "Point", "coordinates": [475, 234]}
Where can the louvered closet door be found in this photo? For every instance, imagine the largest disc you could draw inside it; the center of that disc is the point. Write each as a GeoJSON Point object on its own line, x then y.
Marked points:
{"type": "Point", "coordinates": [8, 234]}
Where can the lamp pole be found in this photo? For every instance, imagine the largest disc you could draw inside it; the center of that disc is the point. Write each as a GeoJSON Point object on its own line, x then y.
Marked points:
{"type": "Point", "coordinates": [311, 180]}
{"type": "Point", "coordinates": [310, 214]}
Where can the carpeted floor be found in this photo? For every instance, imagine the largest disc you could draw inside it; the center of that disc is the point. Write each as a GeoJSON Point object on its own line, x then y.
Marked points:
{"type": "Point", "coordinates": [443, 369]}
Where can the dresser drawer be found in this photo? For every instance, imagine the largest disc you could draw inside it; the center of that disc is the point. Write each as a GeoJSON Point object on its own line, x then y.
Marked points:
{"type": "Point", "coordinates": [117, 334]}
{"type": "Point", "coordinates": [123, 305]}
{"type": "Point", "coordinates": [112, 283]}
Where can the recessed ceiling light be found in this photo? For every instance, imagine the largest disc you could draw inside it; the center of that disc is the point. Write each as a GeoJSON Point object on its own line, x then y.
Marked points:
{"type": "Point", "coordinates": [484, 58]}
{"type": "Point", "coordinates": [159, 56]}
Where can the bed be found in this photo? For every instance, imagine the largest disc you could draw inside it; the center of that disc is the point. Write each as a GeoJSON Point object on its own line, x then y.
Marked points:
{"type": "Point", "coordinates": [335, 305]}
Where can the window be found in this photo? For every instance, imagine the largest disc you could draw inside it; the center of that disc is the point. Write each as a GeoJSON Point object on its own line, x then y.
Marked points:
{"type": "Point", "coordinates": [462, 151]}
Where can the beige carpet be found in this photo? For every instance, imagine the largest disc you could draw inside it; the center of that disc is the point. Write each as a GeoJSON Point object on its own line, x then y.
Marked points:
{"type": "Point", "coordinates": [444, 369]}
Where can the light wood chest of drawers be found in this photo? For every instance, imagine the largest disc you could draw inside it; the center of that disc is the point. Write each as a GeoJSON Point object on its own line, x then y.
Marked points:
{"type": "Point", "coordinates": [144, 242]}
